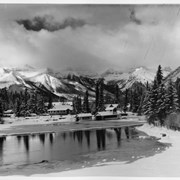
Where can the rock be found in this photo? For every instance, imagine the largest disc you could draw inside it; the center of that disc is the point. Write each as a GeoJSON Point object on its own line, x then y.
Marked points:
{"type": "Point", "coordinates": [44, 161]}
{"type": "Point", "coordinates": [163, 134]}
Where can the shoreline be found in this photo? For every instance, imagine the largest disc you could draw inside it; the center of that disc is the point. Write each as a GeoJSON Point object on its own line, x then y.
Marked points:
{"type": "Point", "coordinates": [158, 165]}
{"type": "Point", "coordinates": [36, 127]}
{"type": "Point", "coordinates": [90, 160]}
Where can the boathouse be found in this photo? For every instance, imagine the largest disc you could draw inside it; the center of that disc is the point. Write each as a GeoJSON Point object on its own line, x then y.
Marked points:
{"type": "Point", "coordinates": [106, 115]}
{"type": "Point", "coordinates": [60, 108]}
{"type": "Point", "coordinates": [85, 116]}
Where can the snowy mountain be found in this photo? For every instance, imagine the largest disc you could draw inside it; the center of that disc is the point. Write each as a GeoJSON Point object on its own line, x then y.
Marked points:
{"type": "Point", "coordinates": [127, 79]}
{"type": "Point", "coordinates": [68, 83]}
{"type": "Point", "coordinates": [46, 80]}
{"type": "Point", "coordinates": [173, 75]}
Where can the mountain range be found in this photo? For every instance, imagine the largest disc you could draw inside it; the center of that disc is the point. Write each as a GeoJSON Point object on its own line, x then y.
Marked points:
{"type": "Point", "coordinates": [69, 82]}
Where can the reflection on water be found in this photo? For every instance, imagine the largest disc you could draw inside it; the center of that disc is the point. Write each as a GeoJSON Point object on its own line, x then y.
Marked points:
{"type": "Point", "coordinates": [60, 146]}
{"type": "Point", "coordinates": [2, 139]}
{"type": "Point", "coordinates": [26, 142]}
{"type": "Point", "coordinates": [101, 139]}
{"type": "Point", "coordinates": [42, 138]}
{"type": "Point", "coordinates": [51, 138]}
{"type": "Point", "coordinates": [118, 135]}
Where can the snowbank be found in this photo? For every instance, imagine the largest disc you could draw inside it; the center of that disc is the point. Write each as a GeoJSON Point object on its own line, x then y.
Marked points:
{"type": "Point", "coordinates": [10, 122]}
{"type": "Point", "coordinates": [165, 164]}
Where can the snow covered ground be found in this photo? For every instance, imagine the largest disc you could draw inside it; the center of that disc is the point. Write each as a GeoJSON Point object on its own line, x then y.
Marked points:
{"type": "Point", "coordinates": [10, 122]}
{"type": "Point", "coordinates": [165, 164]}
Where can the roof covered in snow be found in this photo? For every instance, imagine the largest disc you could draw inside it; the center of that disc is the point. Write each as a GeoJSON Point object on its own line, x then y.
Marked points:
{"type": "Point", "coordinates": [60, 106]}
{"type": "Point", "coordinates": [84, 115]}
{"type": "Point", "coordinates": [110, 107]}
{"type": "Point", "coordinates": [9, 111]}
{"type": "Point", "coordinates": [105, 113]}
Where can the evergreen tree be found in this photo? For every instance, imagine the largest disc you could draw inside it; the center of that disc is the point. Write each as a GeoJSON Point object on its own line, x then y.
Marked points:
{"type": "Point", "coordinates": [151, 107]}
{"type": "Point", "coordinates": [125, 101]}
{"type": "Point", "coordinates": [86, 102]}
{"type": "Point", "coordinates": [79, 105]}
{"type": "Point", "coordinates": [97, 95]}
{"type": "Point", "coordinates": [136, 101]}
{"type": "Point", "coordinates": [50, 102]}
{"type": "Point", "coordinates": [32, 107]}
{"type": "Point", "coordinates": [1, 111]}
{"type": "Point", "coordinates": [18, 108]}
{"type": "Point", "coordinates": [101, 96]}
{"type": "Point", "coordinates": [159, 76]}
{"type": "Point", "coordinates": [172, 104]}
{"type": "Point", "coordinates": [74, 105]}
{"type": "Point", "coordinates": [177, 85]}
{"type": "Point", "coordinates": [161, 104]}
{"type": "Point", "coordinates": [40, 104]}
{"type": "Point", "coordinates": [117, 94]}
{"type": "Point", "coordinates": [140, 108]}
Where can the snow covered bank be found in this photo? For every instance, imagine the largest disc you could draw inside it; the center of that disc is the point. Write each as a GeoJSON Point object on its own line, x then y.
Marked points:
{"type": "Point", "coordinates": [165, 164]}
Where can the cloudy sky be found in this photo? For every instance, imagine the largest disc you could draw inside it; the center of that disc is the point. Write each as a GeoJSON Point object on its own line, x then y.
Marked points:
{"type": "Point", "coordinates": [90, 37]}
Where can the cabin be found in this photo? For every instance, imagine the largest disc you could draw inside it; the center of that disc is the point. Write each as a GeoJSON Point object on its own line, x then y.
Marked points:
{"type": "Point", "coordinates": [111, 107]}
{"type": "Point", "coordinates": [85, 116]}
{"type": "Point", "coordinates": [60, 108]}
{"type": "Point", "coordinates": [106, 115]}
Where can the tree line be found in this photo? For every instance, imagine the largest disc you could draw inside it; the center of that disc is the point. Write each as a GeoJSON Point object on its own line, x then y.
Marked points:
{"type": "Point", "coordinates": [161, 99]}
{"type": "Point", "coordinates": [23, 103]}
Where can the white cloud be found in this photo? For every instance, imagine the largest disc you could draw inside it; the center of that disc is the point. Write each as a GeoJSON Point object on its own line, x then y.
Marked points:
{"type": "Point", "coordinates": [94, 46]}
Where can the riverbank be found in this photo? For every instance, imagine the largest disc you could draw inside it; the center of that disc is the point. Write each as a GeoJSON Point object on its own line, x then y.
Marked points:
{"type": "Point", "coordinates": [45, 124]}
{"type": "Point", "coordinates": [28, 155]}
{"type": "Point", "coordinates": [165, 164]}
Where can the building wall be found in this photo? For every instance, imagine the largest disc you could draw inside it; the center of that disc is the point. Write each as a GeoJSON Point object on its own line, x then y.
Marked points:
{"type": "Point", "coordinates": [109, 117]}
{"type": "Point", "coordinates": [60, 112]}
{"type": "Point", "coordinates": [85, 118]}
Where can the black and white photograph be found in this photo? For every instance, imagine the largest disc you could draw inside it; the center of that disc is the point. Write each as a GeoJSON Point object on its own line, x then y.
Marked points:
{"type": "Point", "coordinates": [89, 90]}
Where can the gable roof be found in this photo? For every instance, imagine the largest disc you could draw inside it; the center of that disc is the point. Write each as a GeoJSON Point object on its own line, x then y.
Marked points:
{"type": "Point", "coordinates": [110, 107]}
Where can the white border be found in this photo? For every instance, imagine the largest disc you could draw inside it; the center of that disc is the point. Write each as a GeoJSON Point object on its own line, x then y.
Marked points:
{"type": "Point", "coordinates": [89, 2]}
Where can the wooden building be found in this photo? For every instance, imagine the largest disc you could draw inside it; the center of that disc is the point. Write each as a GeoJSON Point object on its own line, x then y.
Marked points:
{"type": "Point", "coordinates": [105, 115]}
{"type": "Point", "coordinates": [85, 116]}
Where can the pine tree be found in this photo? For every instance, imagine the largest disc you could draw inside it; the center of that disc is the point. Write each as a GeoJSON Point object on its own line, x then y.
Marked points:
{"type": "Point", "coordinates": [161, 104]}
{"type": "Point", "coordinates": [101, 96]}
{"type": "Point", "coordinates": [140, 108]}
{"type": "Point", "coordinates": [177, 85]}
{"type": "Point", "coordinates": [151, 107]}
{"type": "Point", "coordinates": [97, 95]}
{"type": "Point", "coordinates": [154, 105]}
{"type": "Point", "coordinates": [40, 104]}
{"type": "Point", "coordinates": [79, 104]}
{"type": "Point", "coordinates": [50, 102]}
{"type": "Point", "coordinates": [117, 93]}
{"type": "Point", "coordinates": [172, 104]}
{"type": "Point", "coordinates": [18, 108]}
{"type": "Point", "coordinates": [32, 107]}
{"type": "Point", "coordinates": [159, 76]}
{"type": "Point", "coordinates": [74, 105]}
{"type": "Point", "coordinates": [136, 101]}
{"type": "Point", "coordinates": [1, 111]}
{"type": "Point", "coordinates": [125, 101]}
{"type": "Point", "coordinates": [86, 102]}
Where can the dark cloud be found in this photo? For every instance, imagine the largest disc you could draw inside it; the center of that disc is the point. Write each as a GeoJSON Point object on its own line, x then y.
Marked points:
{"type": "Point", "coordinates": [133, 17]}
{"type": "Point", "coordinates": [48, 23]}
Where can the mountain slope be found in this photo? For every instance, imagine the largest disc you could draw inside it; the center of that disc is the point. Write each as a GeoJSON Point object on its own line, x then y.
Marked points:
{"type": "Point", "coordinates": [70, 83]}
{"type": "Point", "coordinates": [173, 75]}
{"type": "Point", "coordinates": [127, 79]}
